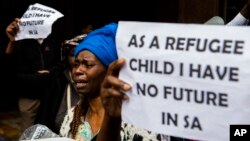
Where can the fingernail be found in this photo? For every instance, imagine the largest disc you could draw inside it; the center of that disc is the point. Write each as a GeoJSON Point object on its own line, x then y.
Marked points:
{"type": "Point", "coordinates": [126, 86]}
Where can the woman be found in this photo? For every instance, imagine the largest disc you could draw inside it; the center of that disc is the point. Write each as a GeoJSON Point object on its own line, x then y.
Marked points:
{"type": "Point", "coordinates": [38, 75]}
{"type": "Point", "coordinates": [92, 58]}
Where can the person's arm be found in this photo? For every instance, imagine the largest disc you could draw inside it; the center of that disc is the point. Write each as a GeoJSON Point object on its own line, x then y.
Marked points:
{"type": "Point", "coordinates": [242, 18]}
{"type": "Point", "coordinates": [112, 96]}
{"type": "Point", "coordinates": [11, 32]}
{"type": "Point", "coordinates": [110, 130]}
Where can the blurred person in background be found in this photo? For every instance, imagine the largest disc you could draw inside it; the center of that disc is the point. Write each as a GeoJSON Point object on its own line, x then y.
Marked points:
{"type": "Point", "coordinates": [39, 77]}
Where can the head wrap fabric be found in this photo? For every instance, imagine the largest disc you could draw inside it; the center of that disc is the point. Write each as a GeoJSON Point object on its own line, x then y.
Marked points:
{"type": "Point", "coordinates": [101, 42]}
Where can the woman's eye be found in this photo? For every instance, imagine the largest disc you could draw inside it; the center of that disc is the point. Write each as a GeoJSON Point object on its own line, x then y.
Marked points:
{"type": "Point", "coordinates": [76, 64]}
{"type": "Point", "coordinates": [89, 65]}
{"type": "Point", "coordinates": [84, 64]}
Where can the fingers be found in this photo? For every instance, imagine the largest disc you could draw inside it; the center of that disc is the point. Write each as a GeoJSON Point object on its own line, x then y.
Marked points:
{"type": "Point", "coordinates": [115, 87]}
{"type": "Point", "coordinates": [117, 83]}
{"type": "Point", "coordinates": [112, 90]}
{"type": "Point", "coordinates": [12, 29]}
{"type": "Point", "coordinates": [112, 85]}
{"type": "Point", "coordinates": [112, 80]}
{"type": "Point", "coordinates": [115, 67]}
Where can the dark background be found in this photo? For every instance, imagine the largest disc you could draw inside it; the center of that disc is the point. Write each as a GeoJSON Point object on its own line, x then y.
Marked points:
{"type": "Point", "coordinates": [77, 13]}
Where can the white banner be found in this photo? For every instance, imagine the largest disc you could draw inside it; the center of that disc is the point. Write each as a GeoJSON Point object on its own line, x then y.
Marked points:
{"type": "Point", "coordinates": [189, 80]}
{"type": "Point", "coordinates": [37, 22]}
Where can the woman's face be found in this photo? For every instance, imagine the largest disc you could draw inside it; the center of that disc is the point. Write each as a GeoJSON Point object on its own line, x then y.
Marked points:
{"type": "Point", "coordinates": [88, 73]}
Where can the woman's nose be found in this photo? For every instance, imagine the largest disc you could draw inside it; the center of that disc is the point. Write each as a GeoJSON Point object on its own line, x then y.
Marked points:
{"type": "Point", "coordinates": [80, 69]}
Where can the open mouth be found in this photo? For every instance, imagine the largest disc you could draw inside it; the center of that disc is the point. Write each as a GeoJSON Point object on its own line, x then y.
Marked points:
{"type": "Point", "coordinates": [80, 84]}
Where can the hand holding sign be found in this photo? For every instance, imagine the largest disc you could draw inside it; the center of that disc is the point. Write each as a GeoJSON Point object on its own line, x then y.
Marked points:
{"type": "Point", "coordinates": [37, 22]}
{"type": "Point", "coordinates": [112, 88]}
{"type": "Point", "coordinates": [12, 30]}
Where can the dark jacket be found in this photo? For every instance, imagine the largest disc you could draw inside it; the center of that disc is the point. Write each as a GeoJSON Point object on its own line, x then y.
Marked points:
{"type": "Point", "coordinates": [30, 56]}
{"type": "Point", "coordinates": [9, 97]}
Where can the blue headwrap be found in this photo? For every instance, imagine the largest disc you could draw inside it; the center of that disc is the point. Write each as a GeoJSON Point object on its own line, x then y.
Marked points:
{"type": "Point", "coordinates": [101, 43]}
